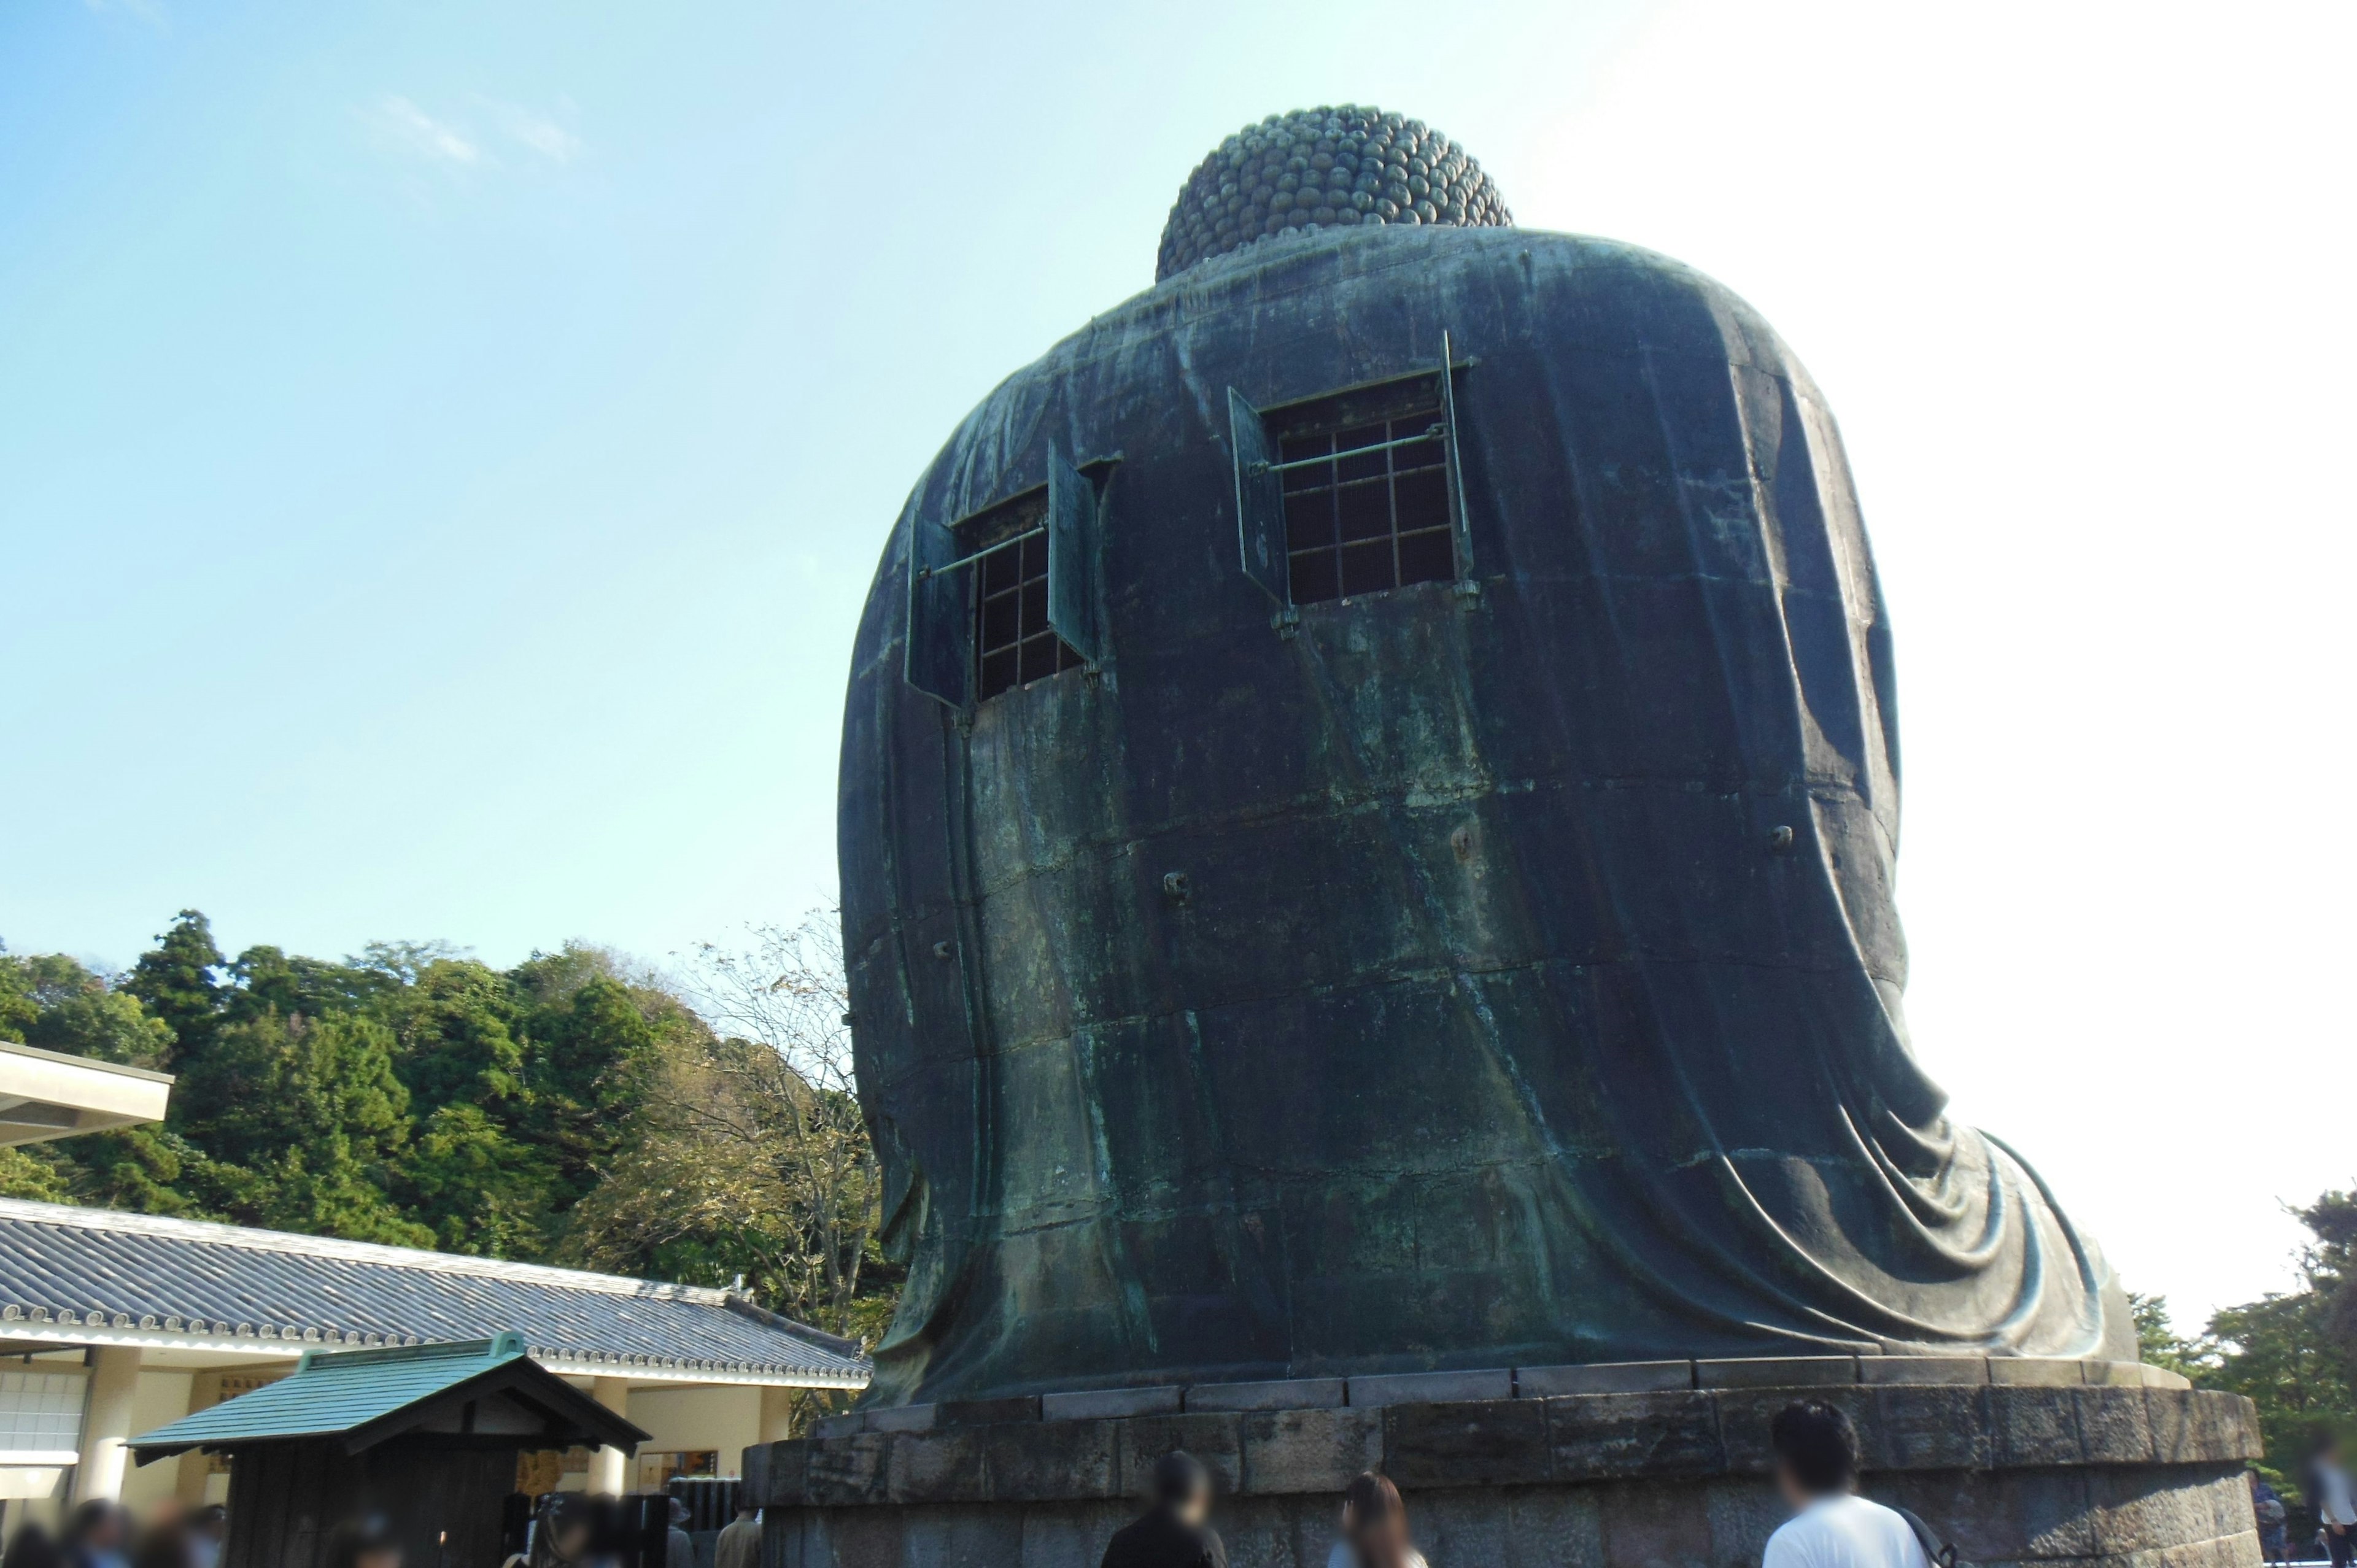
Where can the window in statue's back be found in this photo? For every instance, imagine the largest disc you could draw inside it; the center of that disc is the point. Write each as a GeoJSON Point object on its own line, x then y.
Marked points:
{"type": "Point", "coordinates": [1366, 492]}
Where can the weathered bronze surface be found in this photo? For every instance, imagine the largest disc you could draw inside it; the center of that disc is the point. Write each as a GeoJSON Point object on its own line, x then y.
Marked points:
{"type": "Point", "coordinates": [1480, 974]}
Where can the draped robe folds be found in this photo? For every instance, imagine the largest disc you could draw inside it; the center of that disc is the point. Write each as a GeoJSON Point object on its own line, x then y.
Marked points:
{"type": "Point", "coordinates": [1533, 995]}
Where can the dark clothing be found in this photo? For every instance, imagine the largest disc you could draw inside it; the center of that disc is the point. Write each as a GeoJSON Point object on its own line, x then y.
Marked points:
{"type": "Point", "coordinates": [2342, 1544]}
{"type": "Point", "coordinates": [2267, 1510]}
{"type": "Point", "coordinates": [1160, 1540]}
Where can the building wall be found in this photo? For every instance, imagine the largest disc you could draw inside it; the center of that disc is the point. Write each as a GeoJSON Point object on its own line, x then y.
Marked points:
{"type": "Point", "coordinates": [160, 1397]}
{"type": "Point", "coordinates": [726, 1419]}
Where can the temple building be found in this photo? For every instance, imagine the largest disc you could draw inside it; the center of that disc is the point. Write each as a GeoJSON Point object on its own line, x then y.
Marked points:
{"type": "Point", "coordinates": [113, 1324]}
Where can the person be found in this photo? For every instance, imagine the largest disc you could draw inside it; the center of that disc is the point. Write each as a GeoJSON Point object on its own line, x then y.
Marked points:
{"type": "Point", "coordinates": [2336, 1507]}
{"type": "Point", "coordinates": [165, 1542]}
{"type": "Point", "coordinates": [208, 1527]}
{"type": "Point", "coordinates": [97, 1535]}
{"type": "Point", "coordinates": [31, 1547]}
{"type": "Point", "coordinates": [1832, 1526]}
{"type": "Point", "coordinates": [1174, 1532]}
{"type": "Point", "coordinates": [680, 1546]}
{"type": "Point", "coordinates": [739, 1545]}
{"type": "Point", "coordinates": [366, 1543]}
{"type": "Point", "coordinates": [1374, 1527]}
{"type": "Point", "coordinates": [2267, 1509]}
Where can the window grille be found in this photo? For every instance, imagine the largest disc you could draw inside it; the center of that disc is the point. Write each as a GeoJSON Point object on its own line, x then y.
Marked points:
{"type": "Point", "coordinates": [1014, 644]}
{"type": "Point", "coordinates": [1366, 507]}
{"type": "Point", "coordinates": [1355, 492]}
{"type": "Point", "coordinates": [1009, 595]}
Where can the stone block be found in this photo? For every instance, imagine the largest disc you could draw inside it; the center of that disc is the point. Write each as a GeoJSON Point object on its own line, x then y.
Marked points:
{"type": "Point", "coordinates": [849, 1424]}
{"type": "Point", "coordinates": [2034, 1425]}
{"type": "Point", "coordinates": [2147, 1510]}
{"type": "Point", "coordinates": [1431, 1388]}
{"type": "Point", "coordinates": [1486, 1442]}
{"type": "Point", "coordinates": [1290, 1393]}
{"type": "Point", "coordinates": [2100, 1374]}
{"type": "Point", "coordinates": [844, 1471]}
{"type": "Point", "coordinates": [1601, 1436]}
{"type": "Point", "coordinates": [1213, 1437]}
{"type": "Point", "coordinates": [1995, 1517]}
{"type": "Point", "coordinates": [2113, 1426]}
{"type": "Point", "coordinates": [855, 1538]}
{"type": "Point", "coordinates": [1776, 1372]}
{"type": "Point", "coordinates": [1603, 1377]}
{"type": "Point", "coordinates": [2036, 1371]}
{"type": "Point", "coordinates": [986, 1412]}
{"type": "Point", "coordinates": [753, 1470]}
{"type": "Point", "coordinates": [2221, 1426]}
{"type": "Point", "coordinates": [1454, 1527]}
{"type": "Point", "coordinates": [1288, 1451]}
{"type": "Point", "coordinates": [1916, 1426]}
{"type": "Point", "coordinates": [777, 1480]}
{"type": "Point", "coordinates": [1548, 1527]}
{"type": "Point", "coordinates": [1967, 1370]}
{"type": "Point", "coordinates": [2162, 1378]}
{"type": "Point", "coordinates": [1104, 1404]}
{"type": "Point", "coordinates": [1274, 1532]}
{"type": "Point", "coordinates": [941, 1467]}
{"type": "Point", "coordinates": [957, 1538]}
{"type": "Point", "coordinates": [1742, 1514]}
{"type": "Point", "coordinates": [1745, 1415]}
{"type": "Point", "coordinates": [1071, 1538]}
{"type": "Point", "coordinates": [1052, 1460]}
{"type": "Point", "coordinates": [2201, 1426]}
{"type": "Point", "coordinates": [2175, 1438]}
{"type": "Point", "coordinates": [903, 1418]}
{"type": "Point", "coordinates": [1658, 1527]}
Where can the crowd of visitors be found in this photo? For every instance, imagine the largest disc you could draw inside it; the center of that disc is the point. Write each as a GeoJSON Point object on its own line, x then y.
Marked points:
{"type": "Point", "coordinates": [1817, 1467]}
{"type": "Point", "coordinates": [1817, 1464]}
{"type": "Point", "coordinates": [104, 1535]}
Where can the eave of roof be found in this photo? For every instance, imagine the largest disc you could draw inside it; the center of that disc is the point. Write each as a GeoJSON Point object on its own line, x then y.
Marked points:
{"type": "Point", "coordinates": [795, 1354]}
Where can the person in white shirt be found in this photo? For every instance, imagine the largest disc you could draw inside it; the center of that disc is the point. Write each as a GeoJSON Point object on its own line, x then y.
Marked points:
{"type": "Point", "coordinates": [2336, 1507]}
{"type": "Point", "coordinates": [1374, 1527]}
{"type": "Point", "coordinates": [1832, 1526]}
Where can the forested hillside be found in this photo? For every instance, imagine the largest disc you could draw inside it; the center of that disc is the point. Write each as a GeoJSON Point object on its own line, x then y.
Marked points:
{"type": "Point", "coordinates": [569, 1109]}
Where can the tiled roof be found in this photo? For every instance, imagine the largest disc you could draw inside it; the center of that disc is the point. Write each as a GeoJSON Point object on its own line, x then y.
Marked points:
{"type": "Point", "coordinates": [363, 1394]}
{"type": "Point", "coordinates": [135, 1277]}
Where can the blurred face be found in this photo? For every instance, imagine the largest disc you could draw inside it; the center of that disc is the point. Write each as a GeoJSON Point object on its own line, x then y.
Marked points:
{"type": "Point", "coordinates": [1795, 1493]}
{"type": "Point", "coordinates": [384, 1557]}
{"type": "Point", "coordinates": [1196, 1508]}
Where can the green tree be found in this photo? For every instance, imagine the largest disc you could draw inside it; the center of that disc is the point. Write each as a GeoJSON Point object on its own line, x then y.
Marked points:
{"type": "Point", "coordinates": [2158, 1342]}
{"type": "Point", "coordinates": [752, 1157]}
{"type": "Point", "coordinates": [453, 1025]}
{"type": "Point", "coordinates": [53, 1002]}
{"type": "Point", "coordinates": [303, 1123]}
{"type": "Point", "coordinates": [180, 982]}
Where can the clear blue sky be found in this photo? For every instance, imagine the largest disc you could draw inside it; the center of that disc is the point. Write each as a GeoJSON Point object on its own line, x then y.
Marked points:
{"type": "Point", "coordinates": [444, 447]}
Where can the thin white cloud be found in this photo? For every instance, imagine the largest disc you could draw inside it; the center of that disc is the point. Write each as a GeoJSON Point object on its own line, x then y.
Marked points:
{"type": "Point", "coordinates": [536, 133]}
{"type": "Point", "coordinates": [401, 124]}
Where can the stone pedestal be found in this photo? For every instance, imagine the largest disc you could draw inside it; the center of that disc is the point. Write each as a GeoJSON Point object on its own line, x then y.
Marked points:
{"type": "Point", "coordinates": [2089, 1466]}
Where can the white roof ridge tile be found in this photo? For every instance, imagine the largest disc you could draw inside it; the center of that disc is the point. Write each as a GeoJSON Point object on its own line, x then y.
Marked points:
{"type": "Point", "coordinates": [253, 1239]}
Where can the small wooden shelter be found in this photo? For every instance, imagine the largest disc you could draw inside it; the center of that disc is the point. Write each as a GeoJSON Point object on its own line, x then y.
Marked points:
{"type": "Point", "coordinates": [424, 1437]}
